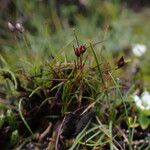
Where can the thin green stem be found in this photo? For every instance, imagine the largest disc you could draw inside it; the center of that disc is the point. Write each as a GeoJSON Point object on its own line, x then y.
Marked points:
{"type": "Point", "coordinates": [22, 117]}
{"type": "Point", "coordinates": [126, 112]}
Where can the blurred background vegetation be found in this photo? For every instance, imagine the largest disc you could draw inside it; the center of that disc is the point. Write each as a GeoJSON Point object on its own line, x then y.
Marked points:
{"type": "Point", "coordinates": [50, 24]}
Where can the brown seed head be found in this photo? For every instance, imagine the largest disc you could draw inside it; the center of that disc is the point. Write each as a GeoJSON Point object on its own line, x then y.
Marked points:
{"type": "Point", "coordinates": [82, 49]}
{"type": "Point", "coordinates": [121, 62]}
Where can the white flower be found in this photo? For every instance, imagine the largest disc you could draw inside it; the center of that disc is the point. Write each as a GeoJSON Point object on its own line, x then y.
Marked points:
{"type": "Point", "coordinates": [11, 27]}
{"type": "Point", "coordinates": [143, 102]}
{"type": "Point", "coordinates": [139, 49]}
{"type": "Point", "coordinates": [20, 27]}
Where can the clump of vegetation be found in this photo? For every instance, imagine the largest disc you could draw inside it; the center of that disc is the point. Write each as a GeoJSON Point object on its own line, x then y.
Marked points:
{"type": "Point", "coordinates": [82, 96]}
{"type": "Point", "coordinates": [59, 104]}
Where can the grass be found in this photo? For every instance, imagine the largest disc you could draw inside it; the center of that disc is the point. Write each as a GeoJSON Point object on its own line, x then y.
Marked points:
{"type": "Point", "coordinates": [45, 82]}
{"type": "Point", "coordinates": [67, 87]}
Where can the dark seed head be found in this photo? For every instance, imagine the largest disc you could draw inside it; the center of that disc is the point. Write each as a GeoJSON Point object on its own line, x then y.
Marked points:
{"type": "Point", "coordinates": [121, 62]}
{"type": "Point", "coordinates": [82, 49]}
{"type": "Point", "coordinates": [77, 51]}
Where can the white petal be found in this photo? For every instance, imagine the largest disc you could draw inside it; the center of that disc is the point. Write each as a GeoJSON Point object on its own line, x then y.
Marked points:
{"type": "Point", "coordinates": [19, 27]}
{"type": "Point", "coordinates": [136, 98]}
{"type": "Point", "coordinates": [139, 103]}
{"type": "Point", "coordinates": [146, 99]}
{"type": "Point", "coordinates": [142, 107]}
{"type": "Point", "coordinates": [139, 49]}
{"type": "Point", "coordinates": [11, 26]}
{"type": "Point", "coordinates": [145, 93]}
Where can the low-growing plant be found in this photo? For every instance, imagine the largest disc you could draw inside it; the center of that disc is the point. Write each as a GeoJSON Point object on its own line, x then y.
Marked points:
{"type": "Point", "coordinates": [75, 97]}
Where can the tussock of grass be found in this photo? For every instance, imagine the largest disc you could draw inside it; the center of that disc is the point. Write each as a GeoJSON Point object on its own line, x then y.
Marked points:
{"type": "Point", "coordinates": [47, 93]}
{"type": "Point", "coordinates": [72, 97]}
